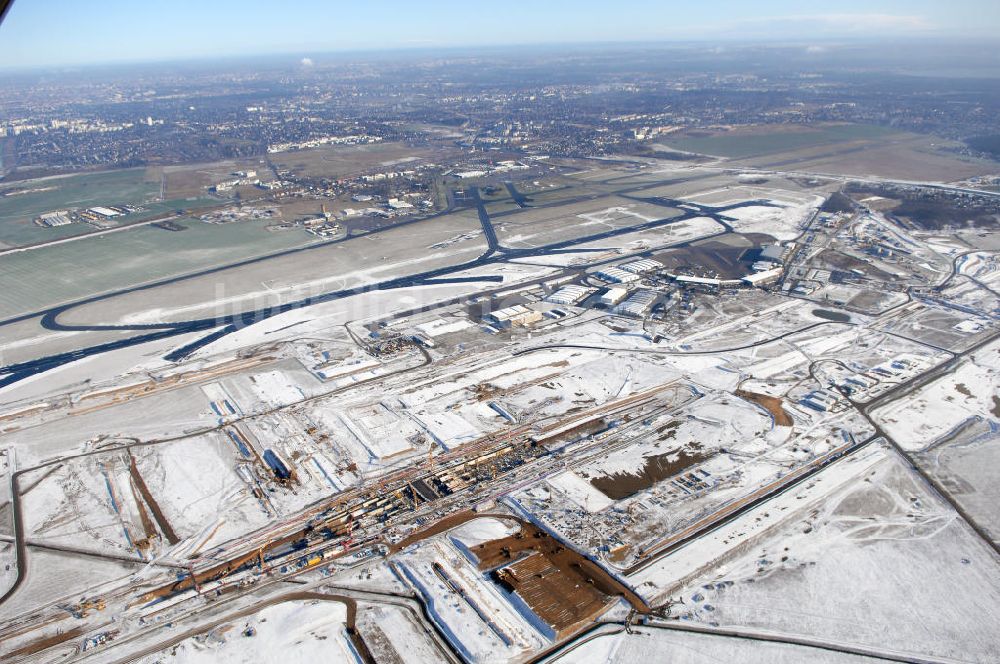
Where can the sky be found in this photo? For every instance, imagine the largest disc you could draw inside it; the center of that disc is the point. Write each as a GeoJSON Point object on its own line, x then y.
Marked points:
{"type": "Point", "coordinates": [42, 33]}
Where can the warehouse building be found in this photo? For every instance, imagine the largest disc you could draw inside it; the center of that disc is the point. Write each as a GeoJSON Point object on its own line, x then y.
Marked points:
{"type": "Point", "coordinates": [764, 278]}
{"type": "Point", "coordinates": [642, 266]}
{"type": "Point", "coordinates": [515, 316]}
{"type": "Point", "coordinates": [57, 218]}
{"type": "Point", "coordinates": [706, 282]}
{"type": "Point", "coordinates": [613, 296]}
{"type": "Point", "coordinates": [616, 275]}
{"type": "Point", "coordinates": [571, 294]}
{"type": "Point", "coordinates": [637, 305]}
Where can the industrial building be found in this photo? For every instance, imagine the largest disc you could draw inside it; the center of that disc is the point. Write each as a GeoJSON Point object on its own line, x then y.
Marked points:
{"type": "Point", "coordinates": [642, 266]}
{"type": "Point", "coordinates": [762, 266]}
{"type": "Point", "coordinates": [616, 275]}
{"type": "Point", "coordinates": [571, 294]}
{"type": "Point", "coordinates": [58, 218]}
{"type": "Point", "coordinates": [397, 204]}
{"type": "Point", "coordinates": [697, 281]}
{"type": "Point", "coordinates": [770, 257]}
{"type": "Point", "coordinates": [637, 305]}
{"type": "Point", "coordinates": [105, 212]}
{"type": "Point", "coordinates": [613, 296]}
{"type": "Point", "coordinates": [515, 316]}
{"type": "Point", "coordinates": [819, 400]}
{"type": "Point", "coordinates": [763, 278]}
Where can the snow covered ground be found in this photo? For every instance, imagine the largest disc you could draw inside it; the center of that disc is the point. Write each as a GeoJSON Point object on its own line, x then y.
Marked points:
{"type": "Point", "coordinates": [202, 496]}
{"type": "Point", "coordinates": [54, 576]}
{"type": "Point", "coordinates": [477, 531]}
{"type": "Point", "coordinates": [95, 369]}
{"type": "Point", "coordinates": [661, 580]}
{"type": "Point", "coordinates": [654, 238]}
{"type": "Point", "coordinates": [649, 644]}
{"type": "Point", "coordinates": [478, 620]}
{"type": "Point", "coordinates": [295, 632]}
{"type": "Point", "coordinates": [783, 222]}
{"type": "Point", "coordinates": [394, 634]}
{"type": "Point", "coordinates": [580, 491]}
{"type": "Point", "coordinates": [274, 387]}
{"type": "Point", "coordinates": [880, 562]}
{"type": "Point", "coordinates": [962, 397]}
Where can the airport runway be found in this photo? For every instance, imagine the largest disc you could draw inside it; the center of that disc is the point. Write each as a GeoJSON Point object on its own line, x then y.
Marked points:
{"type": "Point", "coordinates": [223, 325]}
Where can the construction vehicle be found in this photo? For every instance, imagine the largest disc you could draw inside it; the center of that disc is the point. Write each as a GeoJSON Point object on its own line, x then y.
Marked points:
{"type": "Point", "coordinates": [83, 609]}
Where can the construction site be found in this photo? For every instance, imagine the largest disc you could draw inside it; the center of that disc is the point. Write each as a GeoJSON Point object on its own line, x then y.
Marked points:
{"type": "Point", "coordinates": [487, 464]}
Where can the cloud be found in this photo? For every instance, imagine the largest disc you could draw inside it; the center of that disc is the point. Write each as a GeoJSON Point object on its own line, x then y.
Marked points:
{"type": "Point", "coordinates": [306, 62]}
{"type": "Point", "coordinates": [828, 25]}
{"type": "Point", "coordinates": [855, 23]}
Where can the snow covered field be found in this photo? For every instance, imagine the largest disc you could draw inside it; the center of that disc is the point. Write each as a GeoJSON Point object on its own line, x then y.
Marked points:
{"type": "Point", "coordinates": [294, 632]}
{"type": "Point", "coordinates": [274, 388]}
{"type": "Point", "coordinates": [782, 217]}
{"type": "Point", "coordinates": [661, 580]}
{"type": "Point", "coordinates": [393, 634]}
{"type": "Point", "coordinates": [881, 562]}
{"type": "Point", "coordinates": [580, 491]}
{"type": "Point", "coordinates": [203, 498]}
{"type": "Point", "coordinates": [944, 406]}
{"type": "Point", "coordinates": [784, 222]}
{"type": "Point", "coordinates": [649, 644]}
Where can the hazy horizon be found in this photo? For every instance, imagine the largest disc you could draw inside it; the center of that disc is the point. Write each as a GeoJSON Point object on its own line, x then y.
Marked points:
{"type": "Point", "coordinates": [58, 33]}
